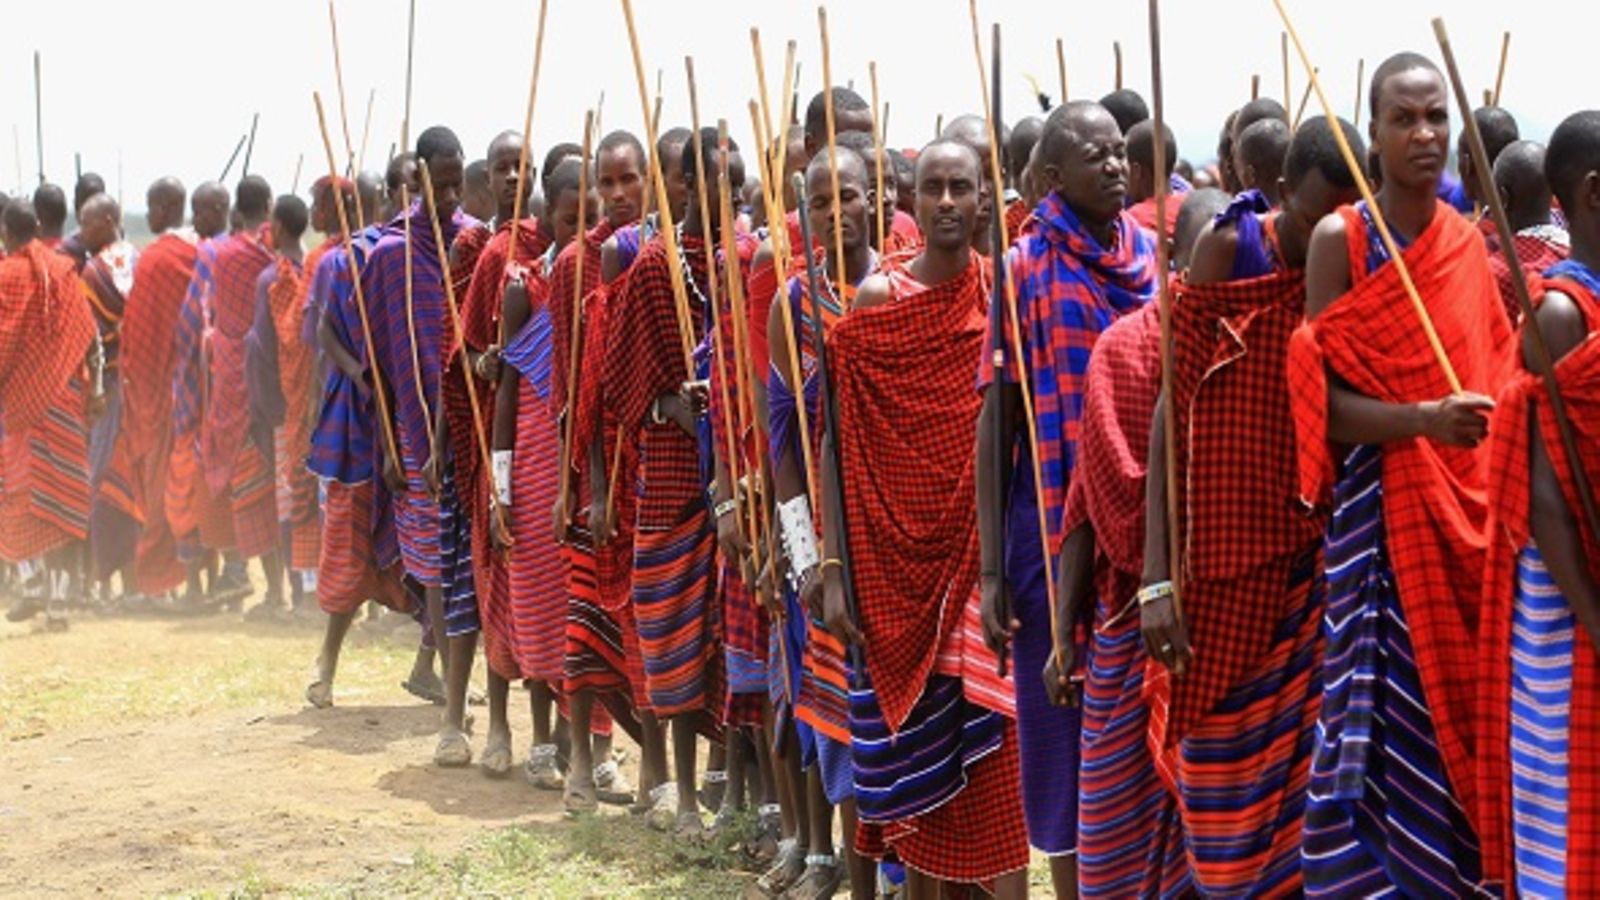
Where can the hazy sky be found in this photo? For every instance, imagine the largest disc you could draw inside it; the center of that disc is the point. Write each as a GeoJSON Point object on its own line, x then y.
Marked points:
{"type": "Point", "coordinates": [169, 86]}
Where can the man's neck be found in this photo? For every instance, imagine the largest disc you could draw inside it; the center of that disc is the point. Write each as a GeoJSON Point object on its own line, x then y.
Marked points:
{"type": "Point", "coordinates": [503, 215]}
{"type": "Point", "coordinates": [856, 261]}
{"type": "Point", "coordinates": [1521, 220]}
{"type": "Point", "coordinates": [935, 266]}
{"type": "Point", "coordinates": [293, 252]}
{"type": "Point", "coordinates": [1408, 210]}
{"type": "Point", "coordinates": [1587, 251]}
{"type": "Point", "coordinates": [251, 226]}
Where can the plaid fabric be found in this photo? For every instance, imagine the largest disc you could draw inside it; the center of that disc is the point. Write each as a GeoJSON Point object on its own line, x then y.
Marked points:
{"type": "Point", "coordinates": [904, 237]}
{"type": "Point", "coordinates": [595, 649]}
{"type": "Point", "coordinates": [45, 330]}
{"type": "Point", "coordinates": [1434, 508]}
{"type": "Point", "coordinates": [194, 316]}
{"type": "Point", "coordinates": [562, 275]}
{"type": "Point", "coordinates": [1119, 398]}
{"type": "Point", "coordinates": [1239, 516]}
{"type": "Point", "coordinates": [745, 628]}
{"type": "Point", "coordinates": [342, 442]}
{"type": "Point", "coordinates": [672, 590]}
{"type": "Point", "coordinates": [1537, 249]}
{"type": "Point", "coordinates": [536, 565]}
{"type": "Point", "coordinates": [297, 370]}
{"type": "Point", "coordinates": [45, 501]}
{"type": "Point", "coordinates": [1069, 290]}
{"type": "Point", "coordinates": [614, 561]}
{"type": "Point", "coordinates": [160, 281]}
{"type": "Point", "coordinates": [644, 360]}
{"type": "Point", "coordinates": [251, 496]}
{"type": "Point", "coordinates": [1510, 531]}
{"type": "Point", "coordinates": [105, 279]}
{"type": "Point", "coordinates": [907, 418]}
{"type": "Point", "coordinates": [722, 343]}
{"type": "Point", "coordinates": [347, 572]}
{"type": "Point", "coordinates": [241, 261]}
{"type": "Point", "coordinates": [943, 841]}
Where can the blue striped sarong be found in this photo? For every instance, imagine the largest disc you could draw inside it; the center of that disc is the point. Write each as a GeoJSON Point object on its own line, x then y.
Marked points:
{"type": "Point", "coordinates": [1380, 815]}
{"type": "Point", "coordinates": [455, 560]}
{"type": "Point", "coordinates": [1541, 720]}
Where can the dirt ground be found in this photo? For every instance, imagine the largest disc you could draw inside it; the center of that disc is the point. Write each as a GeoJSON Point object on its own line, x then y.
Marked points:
{"type": "Point", "coordinates": [174, 756]}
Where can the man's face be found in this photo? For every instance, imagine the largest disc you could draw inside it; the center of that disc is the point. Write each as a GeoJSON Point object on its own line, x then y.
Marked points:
{"type": "Point", "coordinates": [947, 196]}
{"type": "Point", "coordinates": [1412, 129]}
{"type": "Point", "coordinates": [853, 203]}
{"type": "Point", "coordinates": [324, 215]}
{"type": "Point", "coordinates": [735, 169]}
{"type": "Point", "coordinates": [447, 173]}
{"type": "Point", "coordinates": [563, 216]}
{"type": "Point", "coordinates": [620, 180]}
{"type": "Point", "coordinates": [210, 213]}
{"type": "Point", "coordinates": [405, 189]}
{"type": "Point", "coordinates": [1092, 173]}
{"type": "Point", "coordinates": [100, 228]}
{"type": "Point", "coordinates": [1313, 199]}
{"type": "Point", "coordinates": [505, 157]}
{"type": "Point", "coordinates": [677, 186]}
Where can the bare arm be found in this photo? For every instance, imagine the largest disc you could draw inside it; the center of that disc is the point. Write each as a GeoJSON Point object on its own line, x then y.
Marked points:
{"type": "Point", "coordinates": [1074, 602]}
{"type": "Point", "coordinates": [342, 358]}
{"type": "Point", "coordinates": [1166, 637]}
{"type": "Point", "coordinates": [1000, 404]}
{"type": "Point", "coordinates": [1212, 261]}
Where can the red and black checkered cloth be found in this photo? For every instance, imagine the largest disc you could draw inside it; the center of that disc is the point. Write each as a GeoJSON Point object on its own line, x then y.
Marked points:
{"type": "Point", "coordinates": [562, 276]}
{"type": "Point", "coordinates": [1536, 253]}
{"type": "Point", "coordinates": [1434, 505]}
{"type": "Point", "coordinates": [644, 360]}
{"type": "Point", "coordinates": [1578, 377]}
{"type": "Point", "coordinates": [1240, 518]}
{"type": "Point", "coordinates": [45, 330]}
{"type": "Point", "coordinates": [907, 415]}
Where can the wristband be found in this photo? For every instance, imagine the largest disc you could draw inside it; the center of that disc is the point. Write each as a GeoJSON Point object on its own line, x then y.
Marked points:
{"type": "Point", "coordinates": [724, 508]}
{"type": "Point", "coordinates": [656, 416]}
{"type": "Point", "coordinates": [799, 536]}
{"type": "Point", "coordinates": [1150, 593]}
{"type": "Point", "coordinates": [502, 476]}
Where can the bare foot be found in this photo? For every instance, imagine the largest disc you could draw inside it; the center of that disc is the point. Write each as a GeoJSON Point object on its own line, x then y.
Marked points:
{"type": "Point", "coordinates": [453, 751]}
{"type": "Point", "coordinates": [496, 759]}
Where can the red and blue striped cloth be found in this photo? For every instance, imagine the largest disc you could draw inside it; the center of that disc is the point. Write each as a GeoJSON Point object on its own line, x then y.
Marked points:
{"type": "Point", "coordinates": [342, 447]}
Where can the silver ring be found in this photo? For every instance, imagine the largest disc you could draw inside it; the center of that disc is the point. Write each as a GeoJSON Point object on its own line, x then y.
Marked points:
{"type": "Point", "coordinates": [1166, 648]}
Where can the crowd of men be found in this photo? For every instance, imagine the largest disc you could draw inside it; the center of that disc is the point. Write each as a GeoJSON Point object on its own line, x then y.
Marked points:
{"type": "Point", "coordinates": [771, 462]}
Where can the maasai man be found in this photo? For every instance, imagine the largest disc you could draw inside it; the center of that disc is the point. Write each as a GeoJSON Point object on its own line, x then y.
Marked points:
{"type": "Point", "coordinates": [974, 132]}
{"type": "Point", "coordinates": [50, 205]}
{"type": "Point", "coordinates": [1142, 175]}
{"type": "Point", "coordinates": [1233, 721]}
{"type": "Point", "coordinates": [1260, 154]}
{"type": "Point", "coordinates": [297, 367]}
{"type": "Point", "coordinates": [850, 113]}
{"type": "Point", "coordinates": [278, 288]}
{"type": "Point", "coordinates": [1019, 150]}
{"type": "Point", "coordinates": [399, 180]}
{"type": "Point", "coordinates": [1200, 206]}
{"type": "Point", "coordinates": [1539, 242]}
{"type": "Point", "coordinates": [674, 547]}
{"type": "Point", "coordinates": [1499, 130]}
{"type": "Point", "coordinates": [905, 176]}
{"type": "Point", "coordinates": [108, 277]}
{"type": "Point", "coordinates": [160, 279]}
{"type": "Point", "coordinates": [47, 329]}
{"type": "Point", "coordinates": [479, 358]}
{"type": "Point", "coordinates": [526, 631]}
{"type": "Point", "coordinates": [88, 185]}
{"type": "Point", "coordinates": [929, 691]}
{"type": "Point", "coordinates": [902, 235]}
{"type": "Point", "coordinates": [1538, 767]}
{"type": "Point", "coordinates": [1228, 179]}
{"type": "Point", "coordinates": [819, 702]}
{"type": "Point", "coordinates": [477, 198]}
{"type": "Point", "coordinates": [1404, 549]}
{"type": "Point", "coordinates": [208, 210]}
{"type": "Point", "coordinates": [359, 559]}
{"type": "Point", "coordinates": [235, 446]}
{"type": "Point", "coordinates": [601, 638]}
{"type": "Point", "coordinates": [1127, 107]}
{"type": "Point", "coordinates": [409, 341]}
{"type": "Point", "coordinates": [1086, 264]}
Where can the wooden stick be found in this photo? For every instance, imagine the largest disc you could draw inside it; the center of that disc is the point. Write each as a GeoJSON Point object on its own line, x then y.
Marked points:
{"type": "Point", "coordinates": [731, 415]}
{"type": "Point", "coordinates": [16, 152]}
{"type": "Point", "coordinates": [527, 149]}
{"type": "Point", "coordinates": [833, 152]}
{"type": "Point", "coordinates": [1061, 67]}
{"type": "Point", "coordinates": [250, 147]}
{"type": "Point", "coordinates": [1361, 82]}
{"type": "Point", "coordinates": [38, 112]}
{"type": "Point", "coordinates": [1500, 74]}
{"type": "Point", "coordinates": [1488, 97]}
{"type": "Point", "coordinates": [232, 158]}
{"type": "Point", "coordinates": [1255, 87]}
{"type": "Point", "coordinates": [744, 374]}
{"type": "Point", "coordinates": [411, 50]}
{"type": "Point", "coordinates": [1116, 50]}
{"type": "Point", "coordinates": [366, 130]}
{"type": "Point", "coordinates": [1299, 111]}
{"type": "Point", "coordinates": [938, 126]}
{"type": "Point", "coordinates": [599, 111]}
{"type": "Point", "coordinates": [885, 127]}
{"type": "Point", "coordinates": [1543, 359]}
{"type": "Point", "coordinates": [764, 127]}
{"type": "Point", "coordinates": [1169, 421]}
{"type": "Point", "coordinates": [650, 196]}
{"type": "Point", "coordinates": [1010, 292]}
{"type": "Point", "coordinates": [1288, 95]}
{"type": "Point", "coordinates": [355, 279]}
{"type": "Point", "coordinates": [1358, 172]}
{"type": "Point", "coordinates": [877, 142]}
{"type": "Point", "coordinates": [344, 114]}
{"type": "Point", "coordinates": [487, 458]}
{"type": "Point", "coordinates": [575, 340]}
{"type": "Point", "coordinates": [294, 186]}
{"type": "Point", "coordinates": [669, 232]}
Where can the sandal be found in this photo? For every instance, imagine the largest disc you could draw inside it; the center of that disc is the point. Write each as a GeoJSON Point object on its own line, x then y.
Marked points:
{"type": "Point", "coordinates": [689, 826]}
{"type": "Point", "coordinates": [713, 785]}
{"type": "Point", "coordinates": [580, 799]}
{"type": "Point", "coordinates": [663, 813]}
{"type": "Point", "coordinates": [453, 751]}
{"type": "Point", "coordinates": [496, 759]}
{"type": "Point", "coordinates": [319, 694]}
{"type": "Point", "coordinates": [540, 770]}
{"type": "Point", "coordinates": [611, 786]}
{"type": "Point", "coordinates": [786, 869]}
{"type": "Point", "coordinates": [822, 878]}
{"type": "Point", "coordinates": [422, 690]}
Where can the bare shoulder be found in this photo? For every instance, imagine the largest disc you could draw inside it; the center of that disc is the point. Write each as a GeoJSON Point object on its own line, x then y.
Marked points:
{"type": "Point", "coordinates": [610, 260]}
{"type": "Point", "coordinates": [874, 291]}
{"type": "Point", "coordinates": [1327, 264]}
{"type": "Point", "coordinates": [1213, 256]}
{"type": "Point", "coordinates": [764, 255]}
{"type": "Point", "coordinates": [1561, 322]}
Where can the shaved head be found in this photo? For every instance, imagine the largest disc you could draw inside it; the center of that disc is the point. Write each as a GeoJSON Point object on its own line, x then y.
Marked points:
{"type": "Point", "coordinates": [164, 204]}
{"type": "Point", "coordinates": [1019, 147]}
{"type": "Point", "coordinates": [1519, 177]}
{"type": "Point", "coordinates": [99, 222]}
{"type": "Point", "coordinates": [209, 206]}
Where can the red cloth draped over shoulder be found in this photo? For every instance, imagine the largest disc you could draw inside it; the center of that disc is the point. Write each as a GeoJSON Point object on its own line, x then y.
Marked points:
{"type": "Point", "coordinates": [1241, 521]}
{"type": "Point", "coordinates": [1434, 499]}
{"type": "Point", "coordinates": [902, 375]}
{"type": "Point", "coordinates": [1119, 402]}
{"type": "Point", "coordinates": [45, 330]}
{"type": "Point", "coordinates": [150, 318]}
{"type": "Point", "coordinates": [296, 359]}
{"type": "Point", "coordinates": [1578, 378]}
{"type": "Point", "coordinates": [563, 276]}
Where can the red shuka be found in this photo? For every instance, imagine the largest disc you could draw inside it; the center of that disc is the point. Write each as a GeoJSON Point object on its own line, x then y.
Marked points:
{"type": "Point", "coordinates": [1434, 499]}
{"type": "Point", "coordinates": [1578, 378]}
